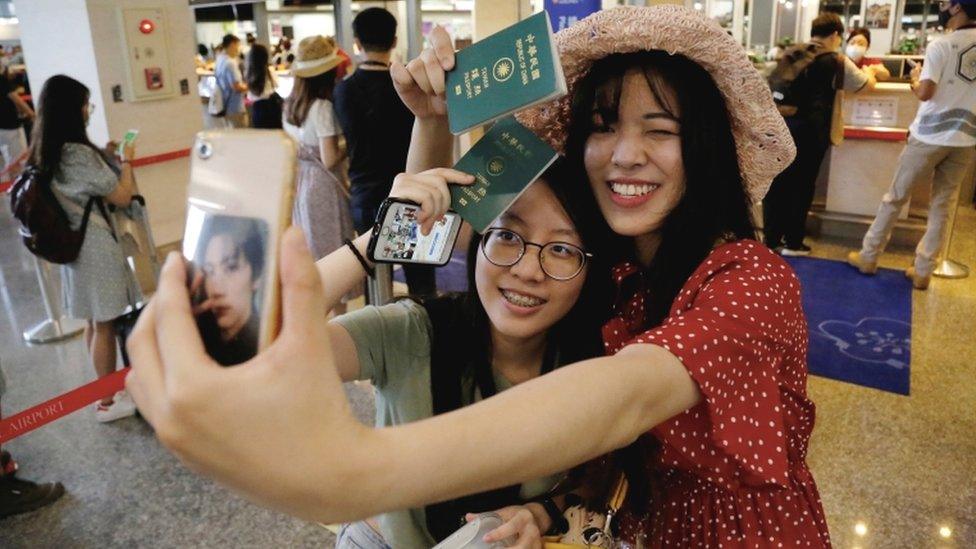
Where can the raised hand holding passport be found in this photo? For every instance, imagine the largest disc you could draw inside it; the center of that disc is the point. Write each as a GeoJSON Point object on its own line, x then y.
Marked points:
{"type": "Point", "coordinates": [420, 83]}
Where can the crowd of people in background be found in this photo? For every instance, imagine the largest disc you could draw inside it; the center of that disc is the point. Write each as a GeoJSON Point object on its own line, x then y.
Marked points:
{"type": "Point", "coordinates": [354, 132]}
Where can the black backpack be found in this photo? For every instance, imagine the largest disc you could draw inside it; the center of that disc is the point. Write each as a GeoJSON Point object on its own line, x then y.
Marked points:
{"type": "Point", "coordinates": [44, 225]}
{"type": "Point", "coordinates": [787, 80]}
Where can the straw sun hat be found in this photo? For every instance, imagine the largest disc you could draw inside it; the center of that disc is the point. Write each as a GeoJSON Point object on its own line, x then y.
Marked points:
{"type": "Point", "coordinates": [762, 141]}
{"type": "Point", "coordinates": [316, 55]}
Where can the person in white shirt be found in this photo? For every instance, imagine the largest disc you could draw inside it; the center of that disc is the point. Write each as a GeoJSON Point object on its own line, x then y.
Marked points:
{"type": "Point", "coordinates": [261, 84]}
{"type": "Point", "coordinates": [942, 142]}
{"type": "Point", "coordinates": [321, 199]}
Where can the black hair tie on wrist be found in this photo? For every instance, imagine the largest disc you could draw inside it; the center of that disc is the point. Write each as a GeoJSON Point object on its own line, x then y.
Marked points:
{"type": "Point", "coordinates": [558, 523]}
{"type": "Point", "coordinates": [362, 260]}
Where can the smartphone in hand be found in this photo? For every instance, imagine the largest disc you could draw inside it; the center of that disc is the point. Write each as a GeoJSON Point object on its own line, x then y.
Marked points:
{"type": "Point", "coordinates": [239, 204]}
{"type": "Point", "coordinates": [128, 139]}
{"type": "Point", "coordinates": [397, 237]}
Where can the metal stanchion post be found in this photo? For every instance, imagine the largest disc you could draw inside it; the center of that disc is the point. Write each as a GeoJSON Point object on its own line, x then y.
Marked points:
{"type": "Point", "coordinates": [946, 267]}
{"type": "Point", "coordinates": [380, 286]}
{"type": "Point", "coordinates": [55, 327]}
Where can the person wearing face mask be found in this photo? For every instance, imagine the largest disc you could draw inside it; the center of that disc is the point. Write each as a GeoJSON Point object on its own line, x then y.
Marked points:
{"type": "Point", "coordinates": [940, 143]}
{"type": "Point", "coordinates": [858, 43]}
{"type": "Point", "coordinates": [786, 205]}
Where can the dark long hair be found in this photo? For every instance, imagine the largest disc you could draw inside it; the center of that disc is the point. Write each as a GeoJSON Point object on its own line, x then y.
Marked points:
{"type": "Point", "coordinates": [60, 120]}
{"type": "Point", "coordinates": [305, 92]}
{"type": "Point", "coordinates": [714, 206]}
{"type": "Point", "coordinates": [257, 68]}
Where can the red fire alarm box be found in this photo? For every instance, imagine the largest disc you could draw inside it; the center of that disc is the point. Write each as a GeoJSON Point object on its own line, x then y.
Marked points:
{"type": "Point", "coordinates": [154, 78]}
{"type": "Point", "coordinates": [144, 33]}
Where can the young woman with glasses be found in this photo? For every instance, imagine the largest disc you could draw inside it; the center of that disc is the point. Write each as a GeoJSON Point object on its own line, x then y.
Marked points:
{"type": "Point", "coordinates": [532, 304]}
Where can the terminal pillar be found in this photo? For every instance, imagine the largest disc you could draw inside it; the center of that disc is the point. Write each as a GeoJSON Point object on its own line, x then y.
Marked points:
{"type": "Point", "coordinates": [141, 77]}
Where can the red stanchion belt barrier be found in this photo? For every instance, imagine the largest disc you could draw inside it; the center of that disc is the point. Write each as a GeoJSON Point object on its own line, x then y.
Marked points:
{"type": "Point", "coordinates": [58, 407]}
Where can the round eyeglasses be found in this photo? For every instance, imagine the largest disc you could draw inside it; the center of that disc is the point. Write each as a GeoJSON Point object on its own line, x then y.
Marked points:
{"type": "Point", "coordinates": [559, 260]}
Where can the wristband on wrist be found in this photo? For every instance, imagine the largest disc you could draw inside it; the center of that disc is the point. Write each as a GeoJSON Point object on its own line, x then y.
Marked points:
{"type": "Point", "coordinates": [557, 522]}
{"type": "Point", "coordinates": [362, 260]}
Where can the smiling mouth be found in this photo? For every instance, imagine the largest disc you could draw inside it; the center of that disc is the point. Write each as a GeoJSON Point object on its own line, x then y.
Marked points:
{"type": "Point", "coordinates": [630, 189]}
{"type": "Point", "coordinates": [522, 300]}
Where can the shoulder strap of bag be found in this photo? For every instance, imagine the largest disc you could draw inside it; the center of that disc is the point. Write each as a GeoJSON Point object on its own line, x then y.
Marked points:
{"type": "Point", "coordinates": [450, 349]}
{"type": "Point", "coordinates": [69, 204]}
{"type": "Point", "coordinates": [101, 208]}
{"type": "Point", "coordinates": [446, 352]}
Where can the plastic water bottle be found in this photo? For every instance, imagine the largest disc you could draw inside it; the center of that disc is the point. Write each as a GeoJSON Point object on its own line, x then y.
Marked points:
{"type": "Point", "coordinates": [471, 535]}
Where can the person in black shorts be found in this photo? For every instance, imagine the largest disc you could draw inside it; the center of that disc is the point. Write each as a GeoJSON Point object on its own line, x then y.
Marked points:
{"type": "Point", "coordinates": [377, 127]}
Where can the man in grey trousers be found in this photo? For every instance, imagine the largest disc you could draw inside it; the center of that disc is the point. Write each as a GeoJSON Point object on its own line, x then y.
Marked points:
{"type": "Point", "coordinates": [941, 145]}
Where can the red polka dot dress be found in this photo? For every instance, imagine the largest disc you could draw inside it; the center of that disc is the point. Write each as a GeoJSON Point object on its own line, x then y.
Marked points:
{"type": "Point", "coordinates": [731, 471]}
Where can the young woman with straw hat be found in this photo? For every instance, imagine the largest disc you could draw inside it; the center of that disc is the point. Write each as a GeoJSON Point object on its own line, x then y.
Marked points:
{"type": "Point", "coordinates": [321, 203]}
{"type": "Point", "coordinates": [677, 135]}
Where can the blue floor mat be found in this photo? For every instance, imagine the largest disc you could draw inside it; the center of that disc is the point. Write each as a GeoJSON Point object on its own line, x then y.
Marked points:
{"type": "Point", "coordinates": [860, 326]}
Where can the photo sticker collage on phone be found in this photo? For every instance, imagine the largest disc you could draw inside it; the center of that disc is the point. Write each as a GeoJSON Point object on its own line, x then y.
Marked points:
{"type": "Point", "coordinates": [227, 279]}
{"type": "Point", "coordinates": [401, 239]}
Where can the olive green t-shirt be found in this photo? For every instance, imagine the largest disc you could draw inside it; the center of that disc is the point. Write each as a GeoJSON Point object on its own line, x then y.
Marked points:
{"type": "Point", "coordinates": [393, 345]}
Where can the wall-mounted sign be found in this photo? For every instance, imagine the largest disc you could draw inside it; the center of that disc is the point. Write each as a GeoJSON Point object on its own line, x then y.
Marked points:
{"type": "Point", "coordinates": [875, 112]}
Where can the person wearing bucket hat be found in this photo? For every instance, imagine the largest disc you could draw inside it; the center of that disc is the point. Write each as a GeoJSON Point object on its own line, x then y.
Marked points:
{"type": "Point", "coordinates": [321, 199]}
{"type": "Point", "coordinates": [673, 134]}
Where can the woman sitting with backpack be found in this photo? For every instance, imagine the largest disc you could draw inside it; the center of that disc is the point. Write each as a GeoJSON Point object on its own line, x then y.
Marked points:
{"type": "Point", "coordinates": [98, 286]}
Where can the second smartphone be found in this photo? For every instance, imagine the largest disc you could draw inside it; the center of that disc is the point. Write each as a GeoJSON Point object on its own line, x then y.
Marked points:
{"type": "Point", "coordinates": [397, 237]}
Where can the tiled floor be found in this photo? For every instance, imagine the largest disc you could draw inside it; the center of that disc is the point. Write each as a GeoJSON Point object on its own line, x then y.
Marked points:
{"type": "Point", "coordinates": [902, 470]}
{"type": "Point", "coordinates": [123, 489]}
{"type": "Point", "coordinates": [897, 469]}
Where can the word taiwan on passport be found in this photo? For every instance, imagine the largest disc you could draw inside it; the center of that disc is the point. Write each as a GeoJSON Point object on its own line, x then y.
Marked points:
{"type": "Point", "coordinates": [506, 72]}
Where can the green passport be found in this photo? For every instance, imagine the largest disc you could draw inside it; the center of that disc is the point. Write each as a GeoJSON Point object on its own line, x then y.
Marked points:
{"type": "Point", "coordinates": [504, 161]}
{"type": "Point", "coordinates": [508, 71]}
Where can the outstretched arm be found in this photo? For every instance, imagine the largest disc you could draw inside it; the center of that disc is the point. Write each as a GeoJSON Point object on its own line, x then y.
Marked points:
{"type": "Point", "coordinates": [342, 470]}
{"type": "Point", "coordinates": [420, 84]}
{"type": "Point", "coordinates": [341, 271]}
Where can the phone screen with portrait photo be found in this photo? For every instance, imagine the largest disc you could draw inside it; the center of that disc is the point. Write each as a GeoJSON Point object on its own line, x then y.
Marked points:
{"type": "Point", "coordinates": [400, 239]}
{"type": "Point", "coordinates": [228, 256]}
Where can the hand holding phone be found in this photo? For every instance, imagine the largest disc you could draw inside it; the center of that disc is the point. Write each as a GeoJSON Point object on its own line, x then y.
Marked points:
{"type": "Point", "coordinates": [125, 150]}
{"type": "Point", "coordinates": [397, 237]}
{"type": "Point", "coordinates": [430, 190]}
{"type": "Point", "coordinates": [415, 225]}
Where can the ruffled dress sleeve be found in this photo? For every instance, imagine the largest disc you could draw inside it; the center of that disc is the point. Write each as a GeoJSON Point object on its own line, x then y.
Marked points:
{"type": "Point", "coordinates": [731, 326]}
